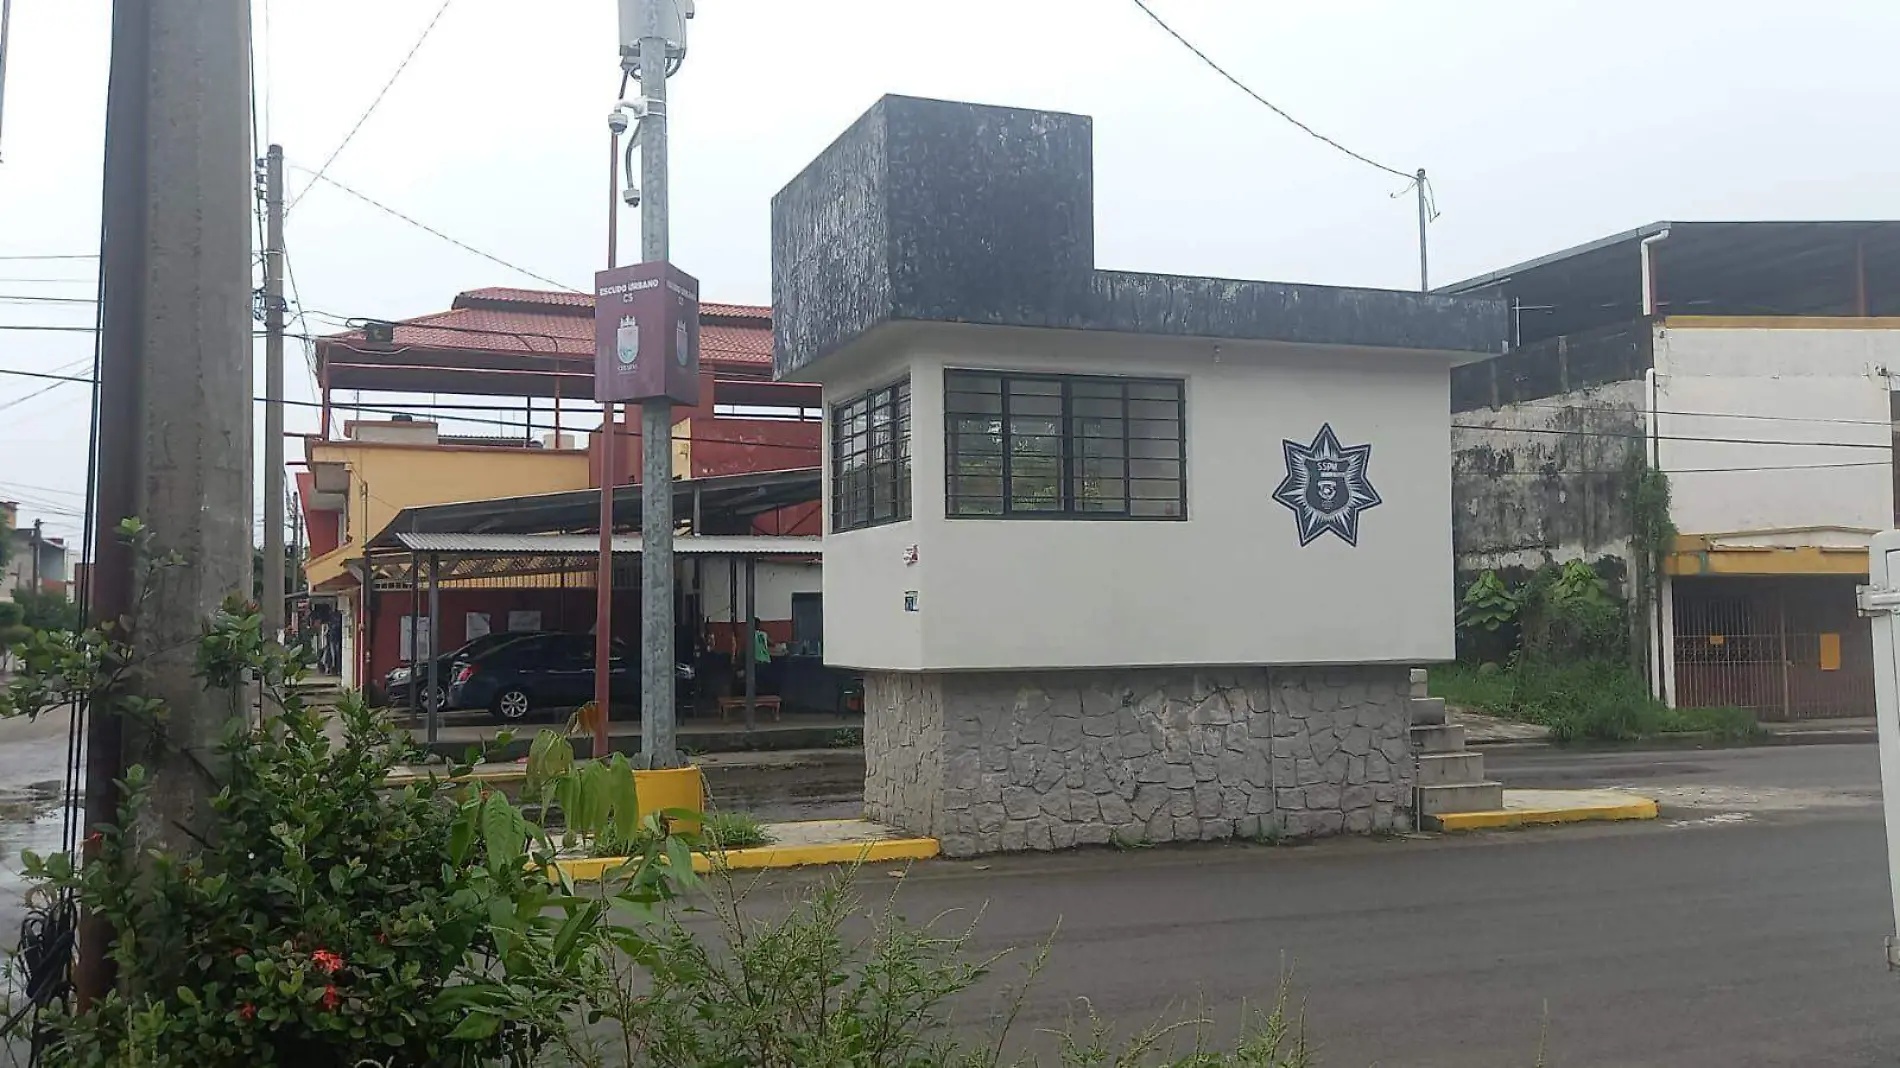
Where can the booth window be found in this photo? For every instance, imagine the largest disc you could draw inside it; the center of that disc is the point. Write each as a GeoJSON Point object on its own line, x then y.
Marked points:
{"type": "Point", "coordinates": [1064, 446]}
{"type": "Point", "coordinates": [870, 459]}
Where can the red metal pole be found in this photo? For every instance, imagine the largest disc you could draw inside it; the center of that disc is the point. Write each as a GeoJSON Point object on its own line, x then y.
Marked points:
{"type": "Point", "coordinates": [610, 446]}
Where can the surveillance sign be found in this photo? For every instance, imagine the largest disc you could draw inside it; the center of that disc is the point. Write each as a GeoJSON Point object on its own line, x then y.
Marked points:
{"type": "Point", "coordinates": [650, 310]}
{"type": "Point", "coordinates": [1326, 486]}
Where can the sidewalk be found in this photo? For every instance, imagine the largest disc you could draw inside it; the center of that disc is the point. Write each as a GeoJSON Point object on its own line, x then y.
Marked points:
{"type": "Point", "coordinates": [1823, 731]}
{"type": "Point", "coordinates": [1482, 730]}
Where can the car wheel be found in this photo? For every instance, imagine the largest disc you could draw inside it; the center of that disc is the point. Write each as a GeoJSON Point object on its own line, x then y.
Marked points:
{"type": "Point", "coordinates": [441, 702]}
{"type": "Point", "coordinates": [513, 704]}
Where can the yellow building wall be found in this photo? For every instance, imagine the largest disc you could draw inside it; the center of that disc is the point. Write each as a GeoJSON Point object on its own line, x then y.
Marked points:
{"type": "Point", "coordinates": [386, 478]}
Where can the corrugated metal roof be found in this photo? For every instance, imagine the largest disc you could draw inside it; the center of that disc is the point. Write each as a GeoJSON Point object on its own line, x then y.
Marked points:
{"type": "Point", "coordinates": [589, 544]}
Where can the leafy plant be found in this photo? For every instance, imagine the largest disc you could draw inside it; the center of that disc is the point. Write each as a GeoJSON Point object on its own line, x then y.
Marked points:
{"type": "Point", "coordinates": [1488, 604]}
{"type": "Point", "coordinates": [319, 918]}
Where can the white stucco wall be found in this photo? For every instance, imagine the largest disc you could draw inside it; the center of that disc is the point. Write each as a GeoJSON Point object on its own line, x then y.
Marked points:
{"type": "Point", "coordinates": [1229, 585]}
{"type": "Point", "coordinates": [774, 582]}
{"type": "Point", "coordinates": [1819, 399]}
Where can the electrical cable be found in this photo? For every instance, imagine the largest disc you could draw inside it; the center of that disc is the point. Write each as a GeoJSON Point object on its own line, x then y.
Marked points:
{"type": "Point", "coordinates": [91, 256]}
{"type": "Point", "coordinates": [371, 110]}
{"type": "Point", "coordinates": [1270, 105]}
{"type": "Point", "coordinates": [465, 246]}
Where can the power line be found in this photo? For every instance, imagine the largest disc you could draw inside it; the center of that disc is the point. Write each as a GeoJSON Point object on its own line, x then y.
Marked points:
{"type": "Point", "coordinates": [1610, 409]}
{"type": "Point", "coordinates": [88, 256]}
{"type": "Point", "coordinates": [465, 246]}
{"type": "Point", "coordinates": [371, 110]}
{"type": "Point", "coordinates": [1270, 105]}
{"type": "Point", "coordinates": [18, 298]}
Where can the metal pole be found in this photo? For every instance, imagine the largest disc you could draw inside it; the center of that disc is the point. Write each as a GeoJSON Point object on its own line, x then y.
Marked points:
{"type": "Point", "coordinates": [657, 727]}
{"type": "Point", "coordinates": [173, 402]}
{"type": "Point", "coordinates": [273, 599]}
{"type": "Point", "coordinates": [415, 631]}
{"type": "Point", "coordinates": [751, 645]}
{"type": "Point", "coordinates": [609, 450]}
{"type": "Point", "coordinates": [435, 662]}
{"type": "Point", "coordinates": [38, 534]}
{"type": "Point", "coordinates": [6, 23]}
{"type": "Point", "coordinates": [1424, 216]}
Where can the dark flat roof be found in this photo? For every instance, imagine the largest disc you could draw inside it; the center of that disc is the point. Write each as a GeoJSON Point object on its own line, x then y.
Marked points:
{"type": "Point", "coordinates": [1702, 268]}
{"type": "Point", "coordinates": [723, 499]}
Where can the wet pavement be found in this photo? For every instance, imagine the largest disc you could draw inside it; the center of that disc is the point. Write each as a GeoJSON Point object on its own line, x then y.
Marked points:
{"type": "Point", "coordinates": [32, 786]}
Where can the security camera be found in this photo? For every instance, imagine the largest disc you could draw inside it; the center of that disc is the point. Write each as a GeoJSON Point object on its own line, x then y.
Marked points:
{"type": "Point", "coordinates": [632, 196]}
{"type": "Point", "coordinates": [618, 121]}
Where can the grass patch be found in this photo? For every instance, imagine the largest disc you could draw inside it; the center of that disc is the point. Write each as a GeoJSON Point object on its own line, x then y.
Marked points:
{"type": "Point", "coordinates": [717, 830]}
{"type": "Point", "coordinates": [1589, 700]}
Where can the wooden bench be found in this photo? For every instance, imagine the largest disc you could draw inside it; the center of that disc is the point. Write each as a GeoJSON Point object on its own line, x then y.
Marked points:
{"type": "Point", "coordinates": [764, 703]}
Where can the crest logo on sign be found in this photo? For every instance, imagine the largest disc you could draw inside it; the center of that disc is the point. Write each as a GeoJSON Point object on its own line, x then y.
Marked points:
{"type": "Point", "coordinates": [627, 341]}
{"type": "Point", "coordinates": [1326, 486]}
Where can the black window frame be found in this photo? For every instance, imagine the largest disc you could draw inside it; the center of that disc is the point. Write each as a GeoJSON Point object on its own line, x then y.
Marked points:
{"type": "Point", "coordinates": [1080, 401]}
{"type": "Point", "coordinates": [871, 462]}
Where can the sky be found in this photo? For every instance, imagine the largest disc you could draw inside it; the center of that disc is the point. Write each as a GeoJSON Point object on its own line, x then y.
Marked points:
{"type": "Point", "coordinates": [1542, 126]}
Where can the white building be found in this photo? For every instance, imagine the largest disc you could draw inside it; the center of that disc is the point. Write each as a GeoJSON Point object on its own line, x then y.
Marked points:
{"type": "Point", "coordinates": [1117, 553]}
{"type": "Point", "coordinates": [1752, 365]}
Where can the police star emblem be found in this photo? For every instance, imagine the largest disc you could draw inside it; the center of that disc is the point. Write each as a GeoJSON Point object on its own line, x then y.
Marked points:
{"type": "Point", "coordinates": [1326, 486]}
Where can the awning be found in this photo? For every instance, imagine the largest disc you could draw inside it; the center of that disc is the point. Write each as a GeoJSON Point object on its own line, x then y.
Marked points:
{"type": "Point", "coordinates": [464, 557]}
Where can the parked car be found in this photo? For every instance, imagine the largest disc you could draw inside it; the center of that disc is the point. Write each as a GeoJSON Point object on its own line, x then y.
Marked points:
{"type": "Point", "coordinates": [396, 683]}
{"type": "Point", "coordinates": [550, 670]}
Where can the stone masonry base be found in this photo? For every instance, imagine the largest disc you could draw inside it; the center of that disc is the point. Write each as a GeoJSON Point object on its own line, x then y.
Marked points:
{"type": "Point", "coordinates": [1000, 761]}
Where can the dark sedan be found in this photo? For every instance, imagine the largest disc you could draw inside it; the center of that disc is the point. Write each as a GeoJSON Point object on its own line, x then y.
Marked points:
{"type": "Point", "coordinates": [396, 683]}
{"type": "Point", "coordinates": [548, 671]}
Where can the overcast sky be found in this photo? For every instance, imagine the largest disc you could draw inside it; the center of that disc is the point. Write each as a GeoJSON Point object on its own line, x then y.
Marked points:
{"type": "Point", "coordinates": [1543, 125]}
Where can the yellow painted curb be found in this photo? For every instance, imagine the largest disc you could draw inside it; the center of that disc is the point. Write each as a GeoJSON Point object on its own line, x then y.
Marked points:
{"type": "Point", "coordinates": [588, 869]}
{"type": "Point", "coordinates": [1641, 808]}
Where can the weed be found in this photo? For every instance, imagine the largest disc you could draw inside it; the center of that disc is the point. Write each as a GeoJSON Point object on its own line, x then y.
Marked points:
{"type": "Point", "coordinates": [1125, 844]}
{"type": "Point", "coordinates": [847, 738]}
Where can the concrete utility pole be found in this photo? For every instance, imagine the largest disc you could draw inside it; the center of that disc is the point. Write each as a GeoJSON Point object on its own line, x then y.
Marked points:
{"type": "Point", "coordinates": [6, 26]}
{"type": "Point", "coordinates": [1424, 216]}
{"type": "Point", "coordinates": [39, 533]}
{"type": "Point", "coordinates": [657, 727]}
{"type": "Point", "coordinates": [174, 397]}
{"type": "Point", "coordinates": [273, 599]}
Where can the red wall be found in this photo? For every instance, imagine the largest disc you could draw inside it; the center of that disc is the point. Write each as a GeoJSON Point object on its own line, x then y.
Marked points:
{"type": "Point", "coordinates": [570, 610]}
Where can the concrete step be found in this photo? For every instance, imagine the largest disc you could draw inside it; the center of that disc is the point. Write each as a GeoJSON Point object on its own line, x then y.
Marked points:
{"type": "Point", "coordinates": [1442, 738]}
{"type": "Point", "coordinates": [1450, 769]}
{"type": "Point", "coordinates": [1420, 680]}
{"type": "Point", "coordinates": [1470, 797]}
{"type": "Point", "coordinates": [1428, 711]}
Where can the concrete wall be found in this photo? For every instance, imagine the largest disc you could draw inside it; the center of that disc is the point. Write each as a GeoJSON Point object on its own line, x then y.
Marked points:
{"type": "Point", "coordinates": [1546, 481]}
{"type": "Point", "coordinates": [1814, 390]}
{"type": "Point", "coordinates": [1005, 761]}
{"type": "Point", "coordinates": [399, 476]}
{"type": "Point", "coordinates": [1231, 584]}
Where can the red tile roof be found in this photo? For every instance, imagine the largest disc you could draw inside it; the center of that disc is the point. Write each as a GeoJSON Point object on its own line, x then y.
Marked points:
{"type": "Point", "coordinates": [531, 321]}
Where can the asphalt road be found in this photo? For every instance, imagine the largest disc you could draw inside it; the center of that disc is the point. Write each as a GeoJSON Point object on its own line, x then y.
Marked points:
{"type": "Point", "coordinates": [1743, 928]}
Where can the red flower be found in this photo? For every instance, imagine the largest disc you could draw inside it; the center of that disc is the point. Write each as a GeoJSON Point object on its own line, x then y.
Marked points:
{"type": "Point", "coordinates": [331, 999]}
{"type": "Point", "coordinates": [247, 1011]}
{"type": "Point", "coordinates": [95, 838]}
{"type": "Point", "coordinates": [326, 962]}
{"type": "Point", "coordinates": [382, 938]}
{"type": "Point", "coordinates": [238, 952]}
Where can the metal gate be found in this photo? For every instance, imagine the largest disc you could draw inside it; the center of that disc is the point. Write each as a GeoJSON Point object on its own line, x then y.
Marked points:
{"type": "Point", "coordinates": [1786, 647]}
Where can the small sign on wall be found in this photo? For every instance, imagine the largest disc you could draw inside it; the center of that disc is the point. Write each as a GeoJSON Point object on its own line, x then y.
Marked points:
{"type": "Point", "coordinates": [910, 600]}
{"type": "Point", "coordinates": [475, 625]}
{"type": "Point", "coordinates": [520, 621]}
{"type": "Point", "coordinates": [415, 633]}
